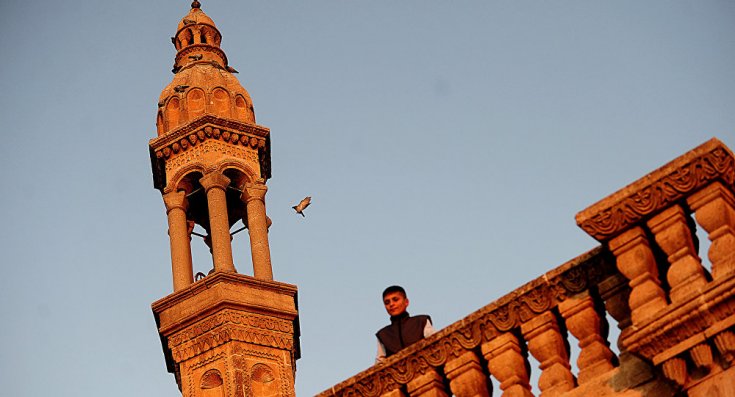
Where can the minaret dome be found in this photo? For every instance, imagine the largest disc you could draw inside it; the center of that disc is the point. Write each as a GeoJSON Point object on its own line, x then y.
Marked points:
{"type": "Point", "coordinates": [203, 81]}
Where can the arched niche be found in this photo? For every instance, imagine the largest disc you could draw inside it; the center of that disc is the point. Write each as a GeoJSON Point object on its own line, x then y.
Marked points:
{"type": "Point", "coordinates": [173, 113]}
{"type": "Point", "coordinates": [242, 109]}
{"type": "Point", "coordinates": [195, 102]}
{"type": "Point", "coordinates": [211, 384]}
{"type": "Point", "coordinates": [221, 102]}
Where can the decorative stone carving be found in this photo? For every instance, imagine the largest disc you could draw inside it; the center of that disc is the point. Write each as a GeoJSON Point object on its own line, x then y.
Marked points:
{"type": "Point", "coordinates": [709, 162]}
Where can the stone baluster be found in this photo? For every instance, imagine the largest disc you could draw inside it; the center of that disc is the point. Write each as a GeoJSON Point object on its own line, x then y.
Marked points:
{"type": "Point", "coordinates": [219, 226]}
{"type": "Point", "coordinates": [675, 369]}
{"type": "Point", "coordinates": [254, 197]}
{"type": "Point", "coordinates": [584, 323]}
{"type": "Point", "coordinates": [507, 364]}
{"type": "Point", "coordinates": [430, 384]}
{"type": "Point", "coordinates": [714, 210]}
{"type": "Point", "coordinates": [636, 261]}
{"type": "Point", "coordinates": [615, 292]}
{"type": "Point", "coordinates": [725, 342]}
{"type": "Point", "coordinates": [179, 236]}
{"type": "Point", "coordinates": [466, 378]}
{"type": "Point", "coordinates": [546, 344]}
{"type": "Point", "coordinates": [702, 356]}
{"type": "Point", "coordinates": [673, 235]}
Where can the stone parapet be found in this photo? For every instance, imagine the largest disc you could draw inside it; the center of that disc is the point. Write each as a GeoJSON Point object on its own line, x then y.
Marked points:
{"type": "Point", "coordinates": [676, 316]}
{"type": "Point", "coordinates": [682, 312]}
{"type": "Point", "coordinates": [494, 341]}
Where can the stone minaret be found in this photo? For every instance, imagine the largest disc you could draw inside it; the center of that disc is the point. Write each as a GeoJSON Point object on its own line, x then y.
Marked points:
{"type": "Point", "coordinates": [226, 334]}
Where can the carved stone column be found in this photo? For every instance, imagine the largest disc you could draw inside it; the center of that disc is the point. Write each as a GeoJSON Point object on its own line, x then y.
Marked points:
{"type": "Point", "coordinates": [506, 363]}
{"type": "Point", "coordinates": [466, 378]}
{"type": "Point", "coordinates": [254, 196]}
{"type": "Point", "coordinates": [429, 384]}
{"type": "Point", "coordinates": [584, 323]}
{"type": "Point", "coordinates": [219, 226]}
{"type": "Point", "coordinates": [635, 260]}
{"type": "Point", "coordinates": [714, 208]}
{"type": "Point", "coordinates": [673, 235]}
{"type": "Point", "coordinates": [546, 344]}
{"type": "Point", "coordinates": [178, 233]}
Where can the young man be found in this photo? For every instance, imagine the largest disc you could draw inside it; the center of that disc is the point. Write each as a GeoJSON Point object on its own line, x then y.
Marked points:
{"type": "Point", "coordinates": [404, 330]}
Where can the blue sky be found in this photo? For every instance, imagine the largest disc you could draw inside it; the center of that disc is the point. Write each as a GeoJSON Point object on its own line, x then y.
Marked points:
{"type": "Point", "coordinates": [447, 147]}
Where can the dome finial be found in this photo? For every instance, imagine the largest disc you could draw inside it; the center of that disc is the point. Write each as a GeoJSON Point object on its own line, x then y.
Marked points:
{"type": "Point", "coordinates": [196, 4]}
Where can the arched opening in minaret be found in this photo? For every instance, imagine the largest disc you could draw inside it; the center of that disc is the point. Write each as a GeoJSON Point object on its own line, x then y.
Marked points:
{"type": "Point", "coordinates": [237, 215]}
{"type": "Point", "coordinates": [190, 37]}
{"type": "Point", "coordinates": [197, 214]}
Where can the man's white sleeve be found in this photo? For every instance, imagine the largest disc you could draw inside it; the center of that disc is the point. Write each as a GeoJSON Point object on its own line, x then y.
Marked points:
{"type": "Point", "coordinates": [380, 356]}
{"type": "Point", "coordinates": [428, 329]}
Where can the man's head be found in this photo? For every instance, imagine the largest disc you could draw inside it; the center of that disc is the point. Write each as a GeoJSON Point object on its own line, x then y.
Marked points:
{"type": "Point", "coordinates": [395, 300]}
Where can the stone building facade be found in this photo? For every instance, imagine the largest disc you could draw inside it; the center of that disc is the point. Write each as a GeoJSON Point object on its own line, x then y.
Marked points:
{"type": "Point", "coordinates": [230, 334]}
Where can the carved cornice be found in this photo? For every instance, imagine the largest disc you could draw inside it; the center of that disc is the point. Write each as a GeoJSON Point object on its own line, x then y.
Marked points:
{"type": "Point", "coordinates": [503, 315]}
{"type": "Point", "coordinates": [205, 128]}
{"type": "Point", "coordinates": [685, 175]}
{"type": "Point", "coordinates": [229, 316]}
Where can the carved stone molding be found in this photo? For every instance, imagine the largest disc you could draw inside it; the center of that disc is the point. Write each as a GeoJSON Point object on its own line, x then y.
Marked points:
{"type": "Point", "coordinates": [228, 316]}
{"type": "Point", "coordinates": [711, 161]}
{"type": "Point", "coordinates": [206, 128]}
{"type": "Point", "coordinates": [505, 314]}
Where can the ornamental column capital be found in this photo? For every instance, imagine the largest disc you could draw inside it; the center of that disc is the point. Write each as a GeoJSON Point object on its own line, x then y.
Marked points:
{"type": "Point", "coordinates": [214, 180]}
{"type": "Point", "coordinates": [175, 200]}
{"type": "Point", "coordinates": [254, 191]}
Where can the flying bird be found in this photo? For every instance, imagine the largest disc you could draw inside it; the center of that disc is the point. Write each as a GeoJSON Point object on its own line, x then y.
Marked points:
{"type": "Point", "coordinates": [301, 206]}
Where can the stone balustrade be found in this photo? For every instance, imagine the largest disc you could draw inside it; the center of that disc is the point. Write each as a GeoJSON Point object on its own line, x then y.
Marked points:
{"type": "Point", "coordinates": [676, 315]}
{"type": "Point", "coordinates": [682, 312]}
{"type": "Point", "coordinates": [497, 339]}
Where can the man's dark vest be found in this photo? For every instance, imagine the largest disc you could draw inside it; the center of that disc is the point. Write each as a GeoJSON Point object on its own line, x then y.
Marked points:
{"type": "Point", "coordinates": [403, 331]}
